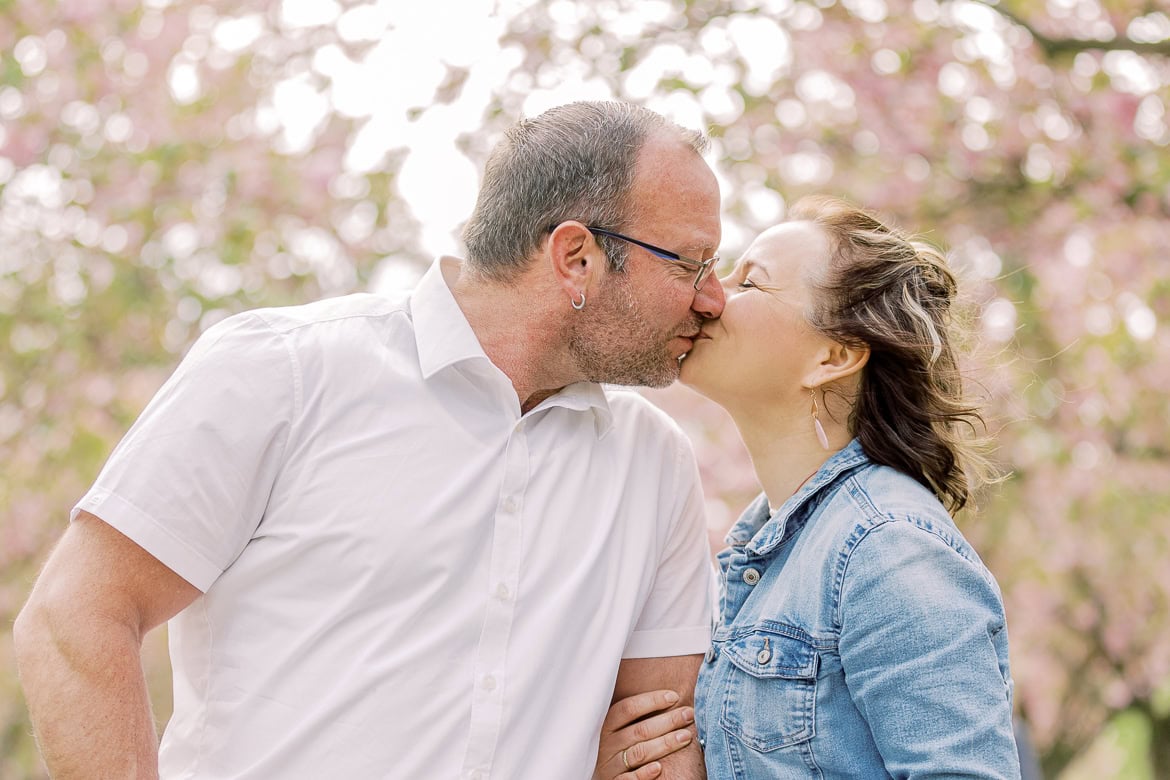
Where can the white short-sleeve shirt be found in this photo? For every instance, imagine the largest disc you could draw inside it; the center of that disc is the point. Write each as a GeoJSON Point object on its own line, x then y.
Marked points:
{"type": "Point", "coordinates": [403, 575]}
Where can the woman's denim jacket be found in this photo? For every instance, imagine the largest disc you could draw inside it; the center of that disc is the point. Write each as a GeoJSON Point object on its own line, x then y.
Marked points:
{"type": "Point", "coordinates": [859, 636]}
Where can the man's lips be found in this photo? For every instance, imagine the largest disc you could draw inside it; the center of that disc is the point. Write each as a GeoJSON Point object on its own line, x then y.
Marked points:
{"type": "Point", "coordinates": [691, 340]}
{"type": "Point", "coordinates": [693, 337]}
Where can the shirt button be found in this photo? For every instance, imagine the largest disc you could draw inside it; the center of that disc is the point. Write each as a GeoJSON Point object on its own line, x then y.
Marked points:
{"type": "Point", "coordinates": [509, 505]}
{"type": "Point", "coordinates": [502, 592]}
{"type": "Point", "coordinates": [751, 576]}
{"type": "Point", "coordinates": [476, 775]}
{"type": "Point", "coordinates": [488, 683]}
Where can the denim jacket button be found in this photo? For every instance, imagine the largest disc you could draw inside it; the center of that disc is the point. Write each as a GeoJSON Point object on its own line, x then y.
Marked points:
{"type": "Point", "coordinates": [751, 576]}
{"type": "Point", "coordinates": [710, 654]}
{"type": "Point", "coordinates": [764, 656]}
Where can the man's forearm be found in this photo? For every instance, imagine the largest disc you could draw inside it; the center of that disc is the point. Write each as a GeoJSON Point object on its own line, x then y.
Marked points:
{"type": "Point", "coordinates": [686, 764]}
{"type": "Point", "coordinates": [86, 696]}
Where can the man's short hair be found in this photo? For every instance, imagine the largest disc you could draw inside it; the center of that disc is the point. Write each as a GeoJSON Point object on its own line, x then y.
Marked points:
{"type": "Point", "coordinates": [575, 161]}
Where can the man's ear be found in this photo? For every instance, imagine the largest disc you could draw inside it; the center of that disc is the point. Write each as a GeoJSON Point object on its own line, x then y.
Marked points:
{"type": "Point", "coordinates": [577, 260]}
{"type": "Point", "coordinates": [836, 361]}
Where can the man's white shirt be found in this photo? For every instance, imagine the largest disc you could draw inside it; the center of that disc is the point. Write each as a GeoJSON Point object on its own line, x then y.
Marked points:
{"type": "Point", "coordinates": [403, 575]}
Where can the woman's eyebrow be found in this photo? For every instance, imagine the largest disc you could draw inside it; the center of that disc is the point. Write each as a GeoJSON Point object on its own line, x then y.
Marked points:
{"type": "Point", "coordinates": [750, 265]}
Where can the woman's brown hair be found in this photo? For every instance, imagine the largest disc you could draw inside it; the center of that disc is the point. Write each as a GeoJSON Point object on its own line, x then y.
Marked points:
{"type": "Point", "coordinates": [893, 293]}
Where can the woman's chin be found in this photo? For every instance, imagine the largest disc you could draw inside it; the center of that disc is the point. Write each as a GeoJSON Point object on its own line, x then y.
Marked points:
{"type": "Point", "coordinates": [691, 372]}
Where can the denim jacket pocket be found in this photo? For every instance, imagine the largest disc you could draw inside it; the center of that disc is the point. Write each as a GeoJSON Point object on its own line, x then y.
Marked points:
{"type": "Point", "coordinates": [771, 689]}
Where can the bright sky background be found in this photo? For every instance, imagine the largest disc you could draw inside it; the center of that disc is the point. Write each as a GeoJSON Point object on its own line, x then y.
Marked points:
{"type": "Point", "coordinates": [392, 88]}
{"type": "Point", "coordinates": [436, 180]}
{"type": "Point", "coordinates": [390, 92]}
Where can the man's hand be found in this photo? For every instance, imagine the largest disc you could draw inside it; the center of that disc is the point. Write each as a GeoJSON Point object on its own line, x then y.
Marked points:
{"type": "Point", "coordinates": [631, 741]}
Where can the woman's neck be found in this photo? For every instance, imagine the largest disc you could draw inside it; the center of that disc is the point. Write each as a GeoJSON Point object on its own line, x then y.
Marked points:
{"type": "Point", "coordinates": [784, 447]}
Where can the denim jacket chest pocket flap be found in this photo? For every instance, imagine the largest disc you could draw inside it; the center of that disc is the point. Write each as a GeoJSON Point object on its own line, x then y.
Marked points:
{"type": "Point", "coordinates": [771, 689]}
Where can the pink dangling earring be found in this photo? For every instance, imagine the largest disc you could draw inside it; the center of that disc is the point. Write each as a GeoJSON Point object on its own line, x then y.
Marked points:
{"type": "Point", "coordinates": [820, 429]}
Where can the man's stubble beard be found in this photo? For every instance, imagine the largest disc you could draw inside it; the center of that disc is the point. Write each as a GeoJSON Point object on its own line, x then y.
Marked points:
{"type": "Point", "coordinates": [611, 343]}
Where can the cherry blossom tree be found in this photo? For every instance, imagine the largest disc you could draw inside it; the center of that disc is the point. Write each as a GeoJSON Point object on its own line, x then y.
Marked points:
{"type": "Point", "coordinates": [163, 164]}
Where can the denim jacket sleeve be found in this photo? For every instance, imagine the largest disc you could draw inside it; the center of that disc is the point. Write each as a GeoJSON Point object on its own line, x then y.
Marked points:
{"type": "Point", "coordinates": [924, 650]}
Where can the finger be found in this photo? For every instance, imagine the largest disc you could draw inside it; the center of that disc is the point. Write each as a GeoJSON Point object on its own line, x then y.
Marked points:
{"type": "Point", "coordinates": [626, 711]}
{"type": "Point", "coordinates": [647, 772]}
{"type": "Point", "coordinates": [642, 773]}
{"type": "Point", "coordinates": [657, 726]}
{"type": "Point", "coordinates": [644, 752]}
{"type": "Point", "coordinates": [615, 769]}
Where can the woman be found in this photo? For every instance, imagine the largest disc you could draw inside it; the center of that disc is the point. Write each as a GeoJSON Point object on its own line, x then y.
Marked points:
{"type": "Point", "coordinates": [859, 633]}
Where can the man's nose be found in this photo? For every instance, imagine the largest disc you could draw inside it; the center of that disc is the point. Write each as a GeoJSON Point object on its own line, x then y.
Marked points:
{"type": "Point", "coordinates": [709, 299]}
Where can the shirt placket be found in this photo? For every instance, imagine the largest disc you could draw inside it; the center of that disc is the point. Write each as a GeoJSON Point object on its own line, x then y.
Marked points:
{"type": "Point", "coordinates": [489, 686]}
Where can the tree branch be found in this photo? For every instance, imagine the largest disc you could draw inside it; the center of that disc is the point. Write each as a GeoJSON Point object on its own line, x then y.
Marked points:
{"type": "Point", "coordinates": [1056, 47]}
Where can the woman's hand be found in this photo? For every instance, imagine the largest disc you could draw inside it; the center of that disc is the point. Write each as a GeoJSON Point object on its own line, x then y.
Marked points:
{"type": "Point", "coordinates": [630, 746]}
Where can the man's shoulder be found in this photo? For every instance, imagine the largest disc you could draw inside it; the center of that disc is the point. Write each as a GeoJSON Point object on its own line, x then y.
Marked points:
{"type": "Point", "coordinates": [645, 427]}
{"type": "Point", "coordinates": [344, 308]}
{"type": "Point", "coordinates": [631, 408]}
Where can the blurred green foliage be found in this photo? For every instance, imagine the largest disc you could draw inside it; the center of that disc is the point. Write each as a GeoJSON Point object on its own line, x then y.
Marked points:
{"type": "Point", "coordinates": [164, 164]}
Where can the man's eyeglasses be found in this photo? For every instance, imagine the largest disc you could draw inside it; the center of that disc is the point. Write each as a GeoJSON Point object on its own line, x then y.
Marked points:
{"type": "Point", "coordinates": [702, 268]}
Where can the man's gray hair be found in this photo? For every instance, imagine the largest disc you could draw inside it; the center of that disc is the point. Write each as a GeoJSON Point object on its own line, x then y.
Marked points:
{"type": "Point", "coordinates": [576, 161]}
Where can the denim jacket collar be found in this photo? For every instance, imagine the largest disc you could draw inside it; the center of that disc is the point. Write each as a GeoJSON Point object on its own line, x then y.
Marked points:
{"type": "Point", "coordinates": [759, 533]}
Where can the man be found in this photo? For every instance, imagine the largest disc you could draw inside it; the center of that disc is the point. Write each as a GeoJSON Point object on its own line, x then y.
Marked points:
{"type": "Point", "coordinates": [412, 537]}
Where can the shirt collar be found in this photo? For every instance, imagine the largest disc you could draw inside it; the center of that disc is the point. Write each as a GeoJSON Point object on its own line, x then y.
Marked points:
{"type": "Point", "coordinates": [582, 396]}
{"type": "Point", "coordinates": [444, 338]}
{"type": "Point", "coordinates": [759, 531]}
{"type": "Point", "coordinates": [441, 332]}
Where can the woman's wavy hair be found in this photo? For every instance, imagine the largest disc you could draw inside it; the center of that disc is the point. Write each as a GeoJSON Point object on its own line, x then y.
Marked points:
{"type": "Point", "coordinates": [893, 293]}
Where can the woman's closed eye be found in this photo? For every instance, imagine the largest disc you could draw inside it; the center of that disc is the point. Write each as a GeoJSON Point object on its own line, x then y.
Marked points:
{"type": "Point", "coordinates": [746, 283]}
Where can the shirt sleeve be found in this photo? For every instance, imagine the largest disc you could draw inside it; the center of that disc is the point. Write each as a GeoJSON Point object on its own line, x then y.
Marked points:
{"type": "Point", "coordinates": [190, 480]}
{"type": "Point", "coordinates": [677, 617]}
{"type": "Point", "coordinates": [924, 649]}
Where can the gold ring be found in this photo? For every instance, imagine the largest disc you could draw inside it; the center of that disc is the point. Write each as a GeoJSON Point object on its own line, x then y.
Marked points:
{"type": "Point", "coordinates": [624, 761]}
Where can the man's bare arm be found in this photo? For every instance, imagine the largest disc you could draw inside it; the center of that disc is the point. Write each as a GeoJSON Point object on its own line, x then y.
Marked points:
{"type": "Point", "coordinates": [78, 643]}
{"type": "Point", "coordinates": [676, 673]}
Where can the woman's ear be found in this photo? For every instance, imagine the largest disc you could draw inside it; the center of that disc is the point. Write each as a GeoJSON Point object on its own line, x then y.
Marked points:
{"type": "Point", "coordinates": [836, 361]}
{"type": "Point", "coordinates": [575, 257]}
